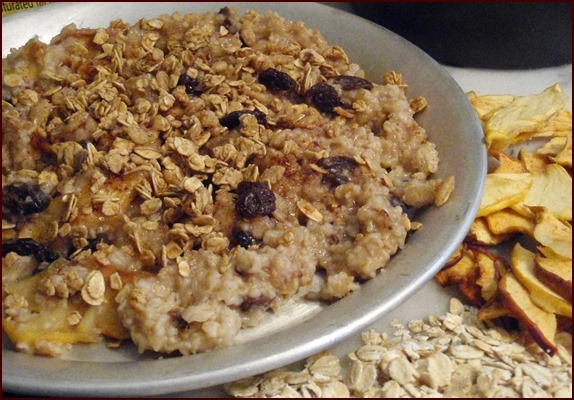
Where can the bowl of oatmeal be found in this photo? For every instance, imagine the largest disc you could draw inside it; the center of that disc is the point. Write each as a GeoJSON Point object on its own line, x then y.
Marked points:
{"type": "Point", "coordinates": [198, 192]}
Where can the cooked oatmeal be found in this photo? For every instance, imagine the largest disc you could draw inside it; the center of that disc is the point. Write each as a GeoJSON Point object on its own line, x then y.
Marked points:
{"type": "Point", "coordinates": [170, 182]}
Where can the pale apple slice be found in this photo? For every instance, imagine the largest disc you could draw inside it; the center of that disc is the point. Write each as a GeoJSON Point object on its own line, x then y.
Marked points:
{"type": "Point", "coordinates": [51, 326]}
{"type": "Point", "coordinates": [533, 163]}
{"type": "Point", "coordinates": [46, 318]}
{"type": "Point", "coordinates": [60, 321]}
{"type": "Point", "coordinates": [521, 118]}
{"type": "Point", "coordinates": [557, 126]}
{"type": "Point", "coordinates": [553, 233]}
{"type": "Point", "coordinates": [556, 273]}
{"type": "Point", "coordinates": [508, 221]}
{"type": "Point", "coordinates": [522, 265]}
{"type": "Point", "coordinates": [485, 105]}
{"type": "Point", "coordinates": [492, 310]}
{"type": "Point", "coordinates": [552, 147]}
{"type": "Point", "coordinates": [509, 164]}
{"type": "Point", "coordinates": [541, 324]}
{"type": "Point", "coordinates": [503, 190]}
{"type": "Point", "coordinates": [480, 234]}
{"type": "Point", "coordinates": [552, 190]}
{"type": "Point", "coordinates": [564, 158]}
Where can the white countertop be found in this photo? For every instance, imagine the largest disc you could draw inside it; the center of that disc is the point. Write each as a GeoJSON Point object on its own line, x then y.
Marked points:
{"type": "Point", "coordinates": [431, 298]}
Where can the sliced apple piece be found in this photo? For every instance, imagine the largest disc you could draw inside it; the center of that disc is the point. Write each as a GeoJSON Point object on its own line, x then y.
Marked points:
{"type": "Point", "coordinates": [480, 234]}
{"type": "Point", "coordinates": [522, 117]}
{"type": "Point", "coordinates": [463, 274]}
{"type": "Point", "coordinates": [485, 105]}
{"type": "Point", "coordinates": [556, 273]}
{"type": "Point", "coordinates": [541, 324]}
{"type": "Point", "coordinates": [46, 318]}
{"type": "Point", "coordinates": [552, 233]}
{"type": "Point", "coordinates": [564, 158]}
{"type": "Point", "coordinates": [52, 326]}
{"type": "Point", "coordinates": [508, 221]}
{"type": "Point", "coordinates": [552, 190]}
{"type": "Point", "coordinates": [552, 147]}
{"type": "Point", "coordinates": [503, 190]}
{"type": "Point", "coordinates": [559, 125]}
{"type": "Point", "coordinates": [455, 258]}
{"type": "Point", "coordinates": [492, 310]}
{"type": "Point", "coordinates": [58, 320]}
{"type": "Point", "coordinates": [509, 164]}
{"type": "Point", "coordinates": [548, 252]}
{"type": "Point", "coordinates": [489, 272]}
{"type": "Point", "coordinates": [533, 163]}
{"type": "Point", "coordinates": [522, 265]}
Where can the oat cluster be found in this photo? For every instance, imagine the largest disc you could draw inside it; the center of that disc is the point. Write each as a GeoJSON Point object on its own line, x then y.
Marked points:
{"type": "Point", "coordinates": [453, 356]}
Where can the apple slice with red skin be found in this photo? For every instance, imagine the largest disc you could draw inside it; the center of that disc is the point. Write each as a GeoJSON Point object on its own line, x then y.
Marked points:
{"type": "Point", "coordinates": [540, 324]}
{"type": "Point", "coordinates": [556, 273]}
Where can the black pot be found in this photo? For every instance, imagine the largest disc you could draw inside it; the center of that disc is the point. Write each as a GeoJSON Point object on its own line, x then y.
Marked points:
{"type": "Point", "coordinates": [481, 35]}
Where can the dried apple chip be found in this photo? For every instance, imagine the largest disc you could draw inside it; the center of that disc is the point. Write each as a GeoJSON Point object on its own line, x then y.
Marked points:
{"type": "Point", "coordinates": [553, 146]}
{"type": "Point", "coordinates": [489, 273]}
{"type": "Point", "coordinates": [487, 104]}
{"type": "Point", "coordinates": [552, 190]}
{"type": "Point", "coordinates": [492, 310]}
{"type": "Point", "coordinates": [503, 190]}
{"type": "Point", "coordinates": [559, 125]}
{"type": "Point", "coordinates": [508, 221]}
{"type": "Point", "coordinates": [479, 233]}
{"type": "Point", "coordinates": [531, 195]}
{"type": "Point", "coordinates": [554, 234]}
{"type": "Point", "coordinates": [509, 164]}
{"type": "Point", "coordinates": [533, 163]}
{"type": "Point", "coordinates": [564, 158]}
{"type": "Point", "coordinates": [541, 324]}
{"type": "Point", "coordinates": [524, 115]}
{"type": "Point", "coordinates": [556, 273]}
{"type": "Point", "coordinates": [463, 274]}
{"type": "Point", "coordinates": [522, 265]}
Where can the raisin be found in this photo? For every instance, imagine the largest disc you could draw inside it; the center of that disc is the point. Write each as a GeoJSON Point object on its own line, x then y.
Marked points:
{"type": "Point", "coordinates": [92, 245]}
{"type": "Point", "coordinates": [253, 199]}
{"type": "Point", "coordinates": [335, 180]}
{"type": "Point", "coordinates": [241, 238]}
{"type": "Point", "coordinates": [189, 83]}
{"type": "Point", "coordinates": [29, 247]}
{"type": "Point", "coordinates": [24, 199]}
{"type": "Point", "coordinates": [337, 163]}
{"type": "Point", "coordinates": [323, 96]}
{"type": "Point", "coordinates": [338, 169]}
{"type": "Point", "coordinates": [276, 80]}
{"type": "Point", "coordinates": [349, 82]}
{"type": "Point", "coordinates": [409, 210]}
{"type": "Point", "coordinates": [226, 12]}
{"type": "Point", "coordinates": [231, 120]}
{"type": "Point", "coordinates": [176, 316]}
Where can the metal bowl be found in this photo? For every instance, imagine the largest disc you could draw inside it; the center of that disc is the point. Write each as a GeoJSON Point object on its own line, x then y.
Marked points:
{"type": "Point", "coordinates": [301, 328]}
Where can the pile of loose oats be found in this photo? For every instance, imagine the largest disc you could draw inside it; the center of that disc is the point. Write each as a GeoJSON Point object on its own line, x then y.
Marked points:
{"type": "Point", "coordinates": [447, 356]}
